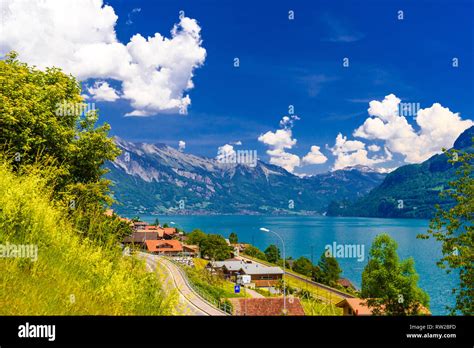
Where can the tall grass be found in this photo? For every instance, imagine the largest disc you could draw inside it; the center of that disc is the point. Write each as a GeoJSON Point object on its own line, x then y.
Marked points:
{"type": "Point", "coordinates": [73, 274]}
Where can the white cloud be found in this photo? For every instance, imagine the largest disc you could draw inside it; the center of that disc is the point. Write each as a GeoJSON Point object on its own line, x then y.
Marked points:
{"type": "Point", "coordinates": [79, 37]}
{"type": "Point", "coordinates": [225, 153]}
{"type": "Point", "coordinates": [287, 122]}
{"type": "Point", "coordinates": [284, 159]}
{"type": "Point", "coordinates": [438, 128]}
{"type": "Point", "coordinates": [101, 91]}
{"type": "Point", "coordinates": [315, 156]}
{"type": "Point", "coordinates": [280, 140]}
{"type": "Point", "coordinates": [352, 152]}
{"type": "Point", "coordinates": [181, 145]}
{"type": "Point", "coordinates": [237, 143]}
{"type": "Point", "coordinates": [374, 148]}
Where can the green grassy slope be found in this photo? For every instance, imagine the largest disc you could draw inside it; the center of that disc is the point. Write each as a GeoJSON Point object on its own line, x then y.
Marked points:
{"type": "Point", "coordinates": [72, 275]}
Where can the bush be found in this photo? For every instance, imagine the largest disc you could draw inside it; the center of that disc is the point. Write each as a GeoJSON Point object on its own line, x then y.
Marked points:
{"type": "Point", "coordinates": [255, 252]}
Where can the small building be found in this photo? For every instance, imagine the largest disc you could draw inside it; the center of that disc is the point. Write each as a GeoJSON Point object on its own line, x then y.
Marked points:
{"type": "Point", "coordinates": [358, 307]}
{"type": "Point", "coordinates": [354, 306]}
{"type": "Point", "coordinates": [268, 306]}
{"type": "Point", "coordinates": [140, 237]}
{"type": "Point", "coordinates": [191, 250]}
{"type": "Point", "coordinates": [346, 284]}
{"type": "Point", "coordinates": [261, 276]}
{"type": "Point", "coordinates": [165, 247]}
{"type": "Point", "coordinates": [169, 232]}
{"type": "Point", "coordinates": [228, 268]}
{"type": "Point", "coordinates": [139, 225]}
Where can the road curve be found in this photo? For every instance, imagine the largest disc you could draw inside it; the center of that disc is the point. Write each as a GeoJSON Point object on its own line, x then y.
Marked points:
{"type": "Point", "coordinates": [194, 303]}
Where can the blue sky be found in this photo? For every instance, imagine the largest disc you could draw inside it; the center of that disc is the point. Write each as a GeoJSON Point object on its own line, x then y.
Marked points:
{"type": "Point", "coordinates": [299, 62]}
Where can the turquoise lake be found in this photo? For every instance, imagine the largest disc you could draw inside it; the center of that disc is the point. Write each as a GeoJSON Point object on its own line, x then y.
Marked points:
{"type": "Point", "coordinates": [306, 234]}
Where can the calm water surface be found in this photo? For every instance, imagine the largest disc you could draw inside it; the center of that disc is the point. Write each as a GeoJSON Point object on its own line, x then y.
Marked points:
{"type": "Point", "coordinates": [308, 235]}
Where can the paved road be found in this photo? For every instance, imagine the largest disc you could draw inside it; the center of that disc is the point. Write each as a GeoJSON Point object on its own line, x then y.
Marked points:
{"type": "Point", "coordinates": [191, 302]}
{"type": "Point", "coordinates": [321, 286]}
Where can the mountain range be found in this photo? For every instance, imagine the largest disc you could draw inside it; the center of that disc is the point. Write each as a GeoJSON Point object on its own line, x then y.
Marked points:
{"type": "Point", "coordinates": [410, 191]}
{"type": "Point", "coordinates": [159, 179]}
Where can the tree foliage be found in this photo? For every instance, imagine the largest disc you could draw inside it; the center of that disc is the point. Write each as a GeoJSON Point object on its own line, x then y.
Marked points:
{"type": "Point", "coordinates": [327, 271]}
{"type": "Point", "coordinates": [215, 247]}
{"type": "Point", "coordinates": [196, 237]}
{"type": "Point", "coordinates": [43, 116]}
{"type": "Point", "coordinates": [303, 266]}
{"type": "Point", "coordinates": [390, 285]}
{"type": "Point", "coordinates": [255, 252]}
{"type": "Point", "coordinates": [454, 227]}
{"type": "Point", "coordinates": [44, 122]}
{"type": "Point", "coordinates": [272, 253]}
{"type": "Point", "coordinates": [233, 238]}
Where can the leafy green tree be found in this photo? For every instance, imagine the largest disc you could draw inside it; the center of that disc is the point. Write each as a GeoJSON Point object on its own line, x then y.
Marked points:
{"type": "Point", "coordinates": [233, 238]}
{"type": "Point", "coordinates": [196, 237]}
{"type": "Point", "coordinates": [215, 247]}
{"type": "Point", "coordinates": [42, 117]}
{"type": "Point", "coordinates": [388, 284]}
{"type": "Point", "coordinates": [327, 271]}
{"type": "Point", "coordinates": [272, 253]}
{"type": "Point", "coordinates": [454, 227]}
{"type": "Point", "coordinates": [157, 222]}
{"type": "Point", "coordinates": [255, 252]}
{"type": "Point", "coordinates": [303, 266]}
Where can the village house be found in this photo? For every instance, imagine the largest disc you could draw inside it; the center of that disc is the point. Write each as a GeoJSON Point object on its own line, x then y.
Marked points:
{"type": "Point", "coordinates": [140, 237]}
{"type": "Point", "coordinates": [165, 247]}
{"type": "Point", "coordinates": [266, 306]}
{"type": "Point", "coordinates": [139, 225]}
{"type": "Point", "coordinates": [261, 276]}
{"type": "Point", "coordinates": [346, 284]}
{"type": "Point", "coordinates": [169, 232]}
{"type": "Point", "coordinates": [358, 307]}
{"type": "Point", "coordinates": [191, 250]}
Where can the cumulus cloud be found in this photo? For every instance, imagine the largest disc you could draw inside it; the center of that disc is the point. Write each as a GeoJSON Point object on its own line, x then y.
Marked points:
{"type": "Point", "coordinates": [315, 156]}
{"type": "Point", "coordinates": [373, 148]}
{"type": "Point", "coordinates": [284, 159]}
{"type": "Point", "coordinates": [225, 152]}
{"type": "Point", "coordinates": [438, 128]}
{"type": "Point", "coordinates": [101, 91]}
{"type": "Point", "coordinates": [352, 152]}
{"type": "Point", "coordinates": [181, 145]}
{"type": "Point", "coordinates": [79, 37]}
{"type": "Point", "coordinates": [287, 122]}
{"type": "Point", "coordinates": [279, 141]}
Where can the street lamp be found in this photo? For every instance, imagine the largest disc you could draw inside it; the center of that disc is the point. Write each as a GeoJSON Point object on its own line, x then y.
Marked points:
{"type": "Point", "coordinates": [263, 229]}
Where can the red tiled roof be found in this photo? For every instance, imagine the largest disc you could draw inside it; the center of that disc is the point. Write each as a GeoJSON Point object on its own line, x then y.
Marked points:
{"type": "Point", "coordinates": [359, 306]}
{"type": "Point", "coordinates": [169, 230]}
{"type": "Point", "coordinates": [345, 283]}
{"type": "Point", "coordinates": [266, 306]}
{"type": "Point", "coordinates": [141, 236]}
{"type": "Point", "coordinates": [164, 245]}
